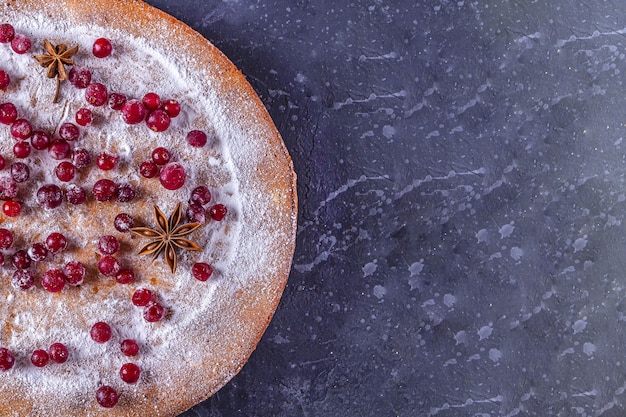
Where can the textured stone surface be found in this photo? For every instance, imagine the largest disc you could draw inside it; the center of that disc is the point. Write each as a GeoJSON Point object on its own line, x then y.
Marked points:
{"type": "Point", "coordinates": [461, 180]}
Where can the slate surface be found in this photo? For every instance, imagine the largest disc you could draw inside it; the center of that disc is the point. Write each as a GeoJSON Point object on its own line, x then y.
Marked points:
{"type": "Point", "coordinates": [461, 179]}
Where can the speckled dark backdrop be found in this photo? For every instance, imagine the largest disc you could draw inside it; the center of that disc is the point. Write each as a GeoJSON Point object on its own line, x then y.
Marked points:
{"type": "Point", "coordinates": [462, 190]}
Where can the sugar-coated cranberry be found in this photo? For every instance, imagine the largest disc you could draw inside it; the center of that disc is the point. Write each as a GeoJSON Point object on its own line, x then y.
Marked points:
{"type": "Point", "coordinates": [69, 131]}
{"type": "Point", "coordinates": [151, 101]}
{"type": "Point", "coordinates": [40, 140]}
{"type": "Point", "coordinates": [8, 188]}
{"type": "Point", "coordinates": [158, 121]}
{"type": "Point", "coordinates": [104, 190]}
{"type": "Point", "coordinates": [65, 171]}
{"type": "Point", "coordinates": [58, 352]}
{"type": "Point", "coordinates": [59, 149]}
{"type": "Point", "coordinates": [116, 101]}
{"type": "Point", "coordinates": [161, 156]}
{"type": "Point", "coordinates": [20, 259]}
{"type": "Point", "coordinates": [20, 171]}
{"type": "Point", "coordinates": [49, 196]}
{"type": "Point", "coordinates": [172, 176]}
{"type": "Point", "coordinates": [106, 396]}
{"type": "Point", "coordinates": [141, 297]}
{"type": "Point", "coordinates": [129, 347]}
{"type": "Point", "coordinates": [21, 129]}
{"type": "Point", "coordinates": [7, 33]}
{"type": "Point", "coordinates": [56, 242]}
{"type": "Point", "coordinates": [21, 150]}
{"type": "Point", "coordinates": [109, 266]}
{"type": "Point", "coordinates": [196, 138]}
{"type": "Point", "coordinates": [11, 208]}
{"type": "Point", "coordinates": [38, 252]}
{"type": "Point", "coordinates": [6, 359]}
{"type": "Point", "coordinates": [218, 212]}
{"type": "Point", "coordinates": [106, 161]}
{"type": "Point", "coordinates": [100, 332]}
{"type": "Point", "coordinates": [8, 113]}
{"type": "Point", "coordinates": [133, 112]}
{"type": "Point", "coordinates": [108, 245]}
{"type": "Point", "coordinates": [153, 312]}
{"type": "Point", "coordinates": [102, 48]}
{"type": "Point", "coordinates": [96, 94]}
{"type": "Point", "coordinates": [53, 280]}
{"type": "Point", "coordinates": [123, 222]}
{"type": "Point", "coordinates": [6, 238]}
{"type": "Point", "coordinates": [129, 372]}
{"type": "Point", "coordinates": [79, 76]}
{"type": "Point", "coordinates": [125, 276]}
{"type": "Point", "coordinates": [75, 194]}
{"type": "Point", "coordinates": [20, 43]}
{"type": "Point", "coordinates": [74, 272]}
{"type": "Point", "coordinates": [5, 80]}
{"type": "Point", "coordinates": [148, 169]}
{"type": "Point", "coordinates": [171, 107]}
{"type": "Point", "coordinates": [81, 158]}
{"type": "Point", "coordinates": [22, 279]}
{"type": "Point", "coordinates": [200, 195]}
{"type": "Point", "coordinates": [3, 162]}
{"type": "Point", "coordinates": [196, 213]}
{"type": "Point", "coordinates": [125, 193]}
{"type": "Point", "coordinates": [39, 358]}
{"type": "Point", "coordinates": [201, 271]}
{"type": "Point", "coordinates": [84, 117]}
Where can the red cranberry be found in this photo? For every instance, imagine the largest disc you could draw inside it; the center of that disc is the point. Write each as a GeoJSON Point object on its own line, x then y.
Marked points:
{"type": "Point", "coordinates": [8, 188]}
{"type": "Point", "coordinates": [20, 43]}
{"type": "Point", "coordinates": [125, 193]}
{"type": "Point", "coordinates": [80, 77]}
{"type": "Point", "coordinates": [38, 252]}
{"type": "Point", "coordinates": [130, 373]}
{"type": "Point", "coordinates": [116, 101]}
{"type": "Point", "coordinates": [8, 113]}
{"type": "Point", "coordinates": [20, 171]}
{"type": "Point", "coordinates": [106, 396]}
{"type": "Point", "coordinates": [125, 276]}
{"type": "Point", "coordinates": [49, 196]}
{"type": "Point", "coordinates": [151, 101]}
{"type": "Point", "coordinates": [141, 297]}
{"type": "Point", "coordinates": [196, 138]}
{"type": "Point", "coordinates": [123, 222]}
{"type": "Point", "coordinates": [69, 132]}
{"type": "Point", "coordinates": [153, 312]}
{"type": "Point", "coordinates": [201, 195]}
{"type": "Point", "coordinates": [21, 150]}
{"type": "Point", "coordinates": [96, 94]}
{"type": "Point", "coordinates": [21, 129]}
{"type": "Point", "coordinates": [65, 171]}
{"type": "Point", "coordinates": [102, 48]}
{"type": "Point", "coordinates": [196, 213]}
{"type": "Point", "coordinates": [107, 161]}
{"type": "Point", "coordinates": [3, 162]}
{"type": "Point", "coordinates": [129, 347]}
{"type": "Point", "coordinates": [58, 352]}
{"type": "Point", "coordinates": [133, 111]}
{"type": "Point", "coordinates": [53, 280]}
{"type": "Point", "coordinates": [5, 80]}
{"type": "Point", "coordinates": [172, 176]}
{"type": "Point", "coordinates": [40, 140]}
{"type": "Point", "coordinates": [104, 190]}
{"type": "Point", "coordinates": [6, 238]}
{"type": "Point", "coordinates": [109, 266]}
{"type": "Point", "coordinates": [171, 107]}
{"type": "Point", "coordinates": [75, 195]}
{"type": "Point", "coordinates": [108, 245]}
{"type": "Point", "coordinates": [56, 242]}
{"type": "Point", "coordinates": [81, 158]}
{"type": "Point", "coordinates": [11, 208]}
{"type": "Point", "coordinates": [218, 212]}
{"type": "Point", "coordinates": [100, 332]}
{"type": "Point", "coordinates": [201, 271]}
{"type": "Point", "coordinates": [59, 149]}
{"type": "Point", "coordinates": [7, 33]}
{"type": "Point", "coordinates": [22, 279]}
{"type": "Point", "coordinates": [148, 169]}
{"type": "Point", "coordinates": [21, 260]}
{"type": "Point", "coordinates": [74, 272]}
{"type": "Point", "coordinates": [6, 359]}
{"type": "Point", "coordinates": [39, 358]}
{"type": "Point", "coordinates": [158, 121]}
{"type": "Point", "coordinates": [161, 156]}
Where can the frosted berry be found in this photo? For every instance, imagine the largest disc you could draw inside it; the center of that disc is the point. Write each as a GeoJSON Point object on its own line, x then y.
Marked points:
{"type": "Point", "coordinates": [5, 80]}
{"type": "Point", "coordinates": [84, 117]}
{"type": "Point", "coordinates": [6, 238]}
{"type": "Point", "coordinates": [125, 193]}
{"type": "Point", "coordinates": [81, 158]}
{"type": "Point", "coordinates": [79, 77]}
{"type": "Point", "coordinates": [39, 358]}
{"type": "Point", "coordinates": [151, 101]}
{"type": "Point", "coordinates": [74, 272]}
{"type": "Point", "coordinates": [102, 48]}
{"type": "Point", "coordinates": [148, 169]}
{"type": "Point", "coordinates": [104, 190]}
{"type": "Point", "coordinates": [171, 107]}
{"type": "Point", "coordinates": [7, 33]}
{"type": "Point", "coordinates": [141, 297]}
{"type": "Point", "coordinates": [201, 271]}
{"type": "Point", "coordinates": [158, 121]}
{"type": "Point", "coordinates": [108, 245]}
{"type": "Point", "coordinates": [116, 101]}
{"type": "Point", "coordinates": [65, 171]}
{"type": "Point", "coordinates": [59, 149]}
{"type": "Point", "coordinates": [109, 266]}
{"type": "Point", "coordinates": [196, 138]}
{"type": "Point", "coordinates": [40, 140]}
{"type": "Point", "coordinates": [106, 161]}
{"type": "Point", "coordinates": [58, 352]}
{"type": "Point", "coordinates": [6, 359]}
{"type": "Point", "coordinates": [196, 213]}
{"type": "Point", "coordinates": [21, 129]}
{"type": "Point", "coordinates": [218, 212]}
{"type": "Point", "coordinates": [38, 252]}
{"type": "Point", "coordinates": [8, 188]}
{"type": "Point", "coordinates": [75, 194]}
{"type": "Point", "coordinates": [106, 396]}
{"type": "Point", "coordinates": [172, 176]}
{"type": "Point", "coordinates": [129, 347]}
{"type": "Point", "coordinates": [53, 280]}
{"type": "Point", "coordinates": [8, 113]}
{"type": "Point", "coordinates": [69, 131]}
{"type": "Point", "coordinates": [153, 312]}
{"type": "Point", "coordinates": [96, 94]}
{"type": "Point", "coordinates": [11, 208]}
{"type": "Point", "coordinates": [20, 44]}
{"type": "Point", "coordinates": [20, 259]}
{"type": "Point", "coordinates": [129, 372]}
{"type": "Point", "coordinates": [49, 196]}
{"type": "Point", "coordinates": [133, 112]}
{"type": "Point", "coordinates": [125, 276]}
{"type": "Point", "coordinates": [20, 171]}
{"type": "Point", "coordinates": [22, 279]}
{"type": "Point", "coordinates": [161, 156]}
{"type": "Point", "coordinates": [56, 242]}
{"type": "Point", "coordinates": [21, 150]}
{"type": "Point", "coordinates": [100, 332]}
{"type": "Point", "coordinates": [123, 222]}
{"type": "Point", "coordinates": [200, 195]}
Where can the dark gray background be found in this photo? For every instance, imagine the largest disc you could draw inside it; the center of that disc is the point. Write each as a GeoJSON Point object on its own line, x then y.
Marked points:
{"type": "Point", "coordinates": [461, 239]}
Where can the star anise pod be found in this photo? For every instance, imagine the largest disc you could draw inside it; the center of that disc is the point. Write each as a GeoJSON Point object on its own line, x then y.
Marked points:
{"type": "Point", "coordinates": [55, 59]}
{"type": "Point", "coordinates": [168, 235]}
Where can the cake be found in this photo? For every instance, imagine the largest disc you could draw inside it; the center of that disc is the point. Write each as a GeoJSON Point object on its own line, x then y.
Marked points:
{"type": "Point", "coordinates": [146, 237]}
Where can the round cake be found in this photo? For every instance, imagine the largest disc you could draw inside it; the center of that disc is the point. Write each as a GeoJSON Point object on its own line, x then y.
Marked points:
{"type": "Point", "coordinates": [148, 212]}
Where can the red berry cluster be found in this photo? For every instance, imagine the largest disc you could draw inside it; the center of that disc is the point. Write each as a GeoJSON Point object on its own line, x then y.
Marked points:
{"type": "Point", "coordinates": [19, 43]}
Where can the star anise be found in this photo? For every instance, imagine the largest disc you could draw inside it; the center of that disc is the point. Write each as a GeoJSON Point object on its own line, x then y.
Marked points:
{"type": "Point", "coordinates": [168, 236]}
{"type": "Point", "coordinates": [56, 58]}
